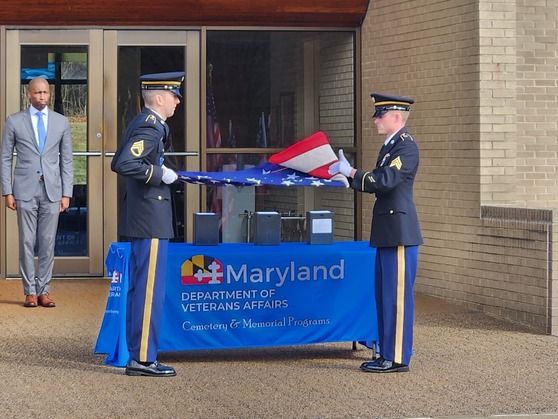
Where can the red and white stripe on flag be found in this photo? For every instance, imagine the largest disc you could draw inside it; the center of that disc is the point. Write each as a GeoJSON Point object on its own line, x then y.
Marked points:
{"type": "Point", "coordinates": [312, 155]}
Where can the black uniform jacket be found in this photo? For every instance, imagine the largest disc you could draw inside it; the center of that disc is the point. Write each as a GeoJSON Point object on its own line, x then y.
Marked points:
{"type": "Point", "coordinates": [394, 219]}
{"type": "Point", "coordinates": [147, 209]}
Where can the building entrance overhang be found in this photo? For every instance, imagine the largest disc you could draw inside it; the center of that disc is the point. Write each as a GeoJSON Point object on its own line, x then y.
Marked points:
{"type": "Point", "coordinates": [271, 13]}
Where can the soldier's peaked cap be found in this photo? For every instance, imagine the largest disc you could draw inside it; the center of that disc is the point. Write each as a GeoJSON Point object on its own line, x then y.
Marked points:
{"type": "Point", "coordinates": [163, 81]}
{"type": "Point", "coordinates": [384, 103]}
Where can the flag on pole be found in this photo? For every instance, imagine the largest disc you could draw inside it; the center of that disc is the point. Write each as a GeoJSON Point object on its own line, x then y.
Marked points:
{"type": "Point", "coordinates": [261, 140]}
{"type": "Point", "coordinates": [214, 161]}
{"type": "Point", "coordinates": [231, 159]}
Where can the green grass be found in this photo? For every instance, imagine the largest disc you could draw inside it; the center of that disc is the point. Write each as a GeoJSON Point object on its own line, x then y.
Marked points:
{"type": "Point", "coordinates": [78, 127]}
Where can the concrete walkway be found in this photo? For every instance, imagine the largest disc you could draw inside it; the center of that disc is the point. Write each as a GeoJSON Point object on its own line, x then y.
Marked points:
{"type": "Point", "coordinates": [466, 365]}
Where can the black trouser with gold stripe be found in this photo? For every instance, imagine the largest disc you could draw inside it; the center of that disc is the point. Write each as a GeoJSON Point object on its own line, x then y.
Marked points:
{"type": "Point", "coordinates": [396, 269]}
{"type": "Point", "coordinates": [146, 296]}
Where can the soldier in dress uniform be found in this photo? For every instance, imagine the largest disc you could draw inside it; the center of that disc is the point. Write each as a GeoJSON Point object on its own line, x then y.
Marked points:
{"type": "Point", "coordinates": [146, 218]}
{"type": "Point", "coordinates": [395, 230]}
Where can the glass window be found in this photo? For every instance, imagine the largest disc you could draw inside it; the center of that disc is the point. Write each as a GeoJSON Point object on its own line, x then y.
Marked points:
{"type": "Point", "coordinates": [265, 91]}
{"type": "Point", "coordinates": [65, 68]}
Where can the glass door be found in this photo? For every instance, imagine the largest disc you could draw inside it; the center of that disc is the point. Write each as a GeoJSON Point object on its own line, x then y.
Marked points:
{"type": "Point", "coordinates": [69, 60]}
{"type": "Point", "coordinates": [94, 82]}
{"type": "Point", "coordinates": [128, 55]}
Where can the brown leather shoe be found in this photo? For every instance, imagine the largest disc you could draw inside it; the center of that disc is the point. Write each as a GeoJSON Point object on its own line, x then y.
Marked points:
{"type": "Point", "coordinates": [30, 301]}
{"type": "Point", "coordinates": [46, 301]}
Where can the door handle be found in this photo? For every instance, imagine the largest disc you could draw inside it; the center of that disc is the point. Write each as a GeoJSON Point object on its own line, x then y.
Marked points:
{"type": "Point", "coordinates": [87, 153]}
{"type": "Point", "coordinates": [171, 153]}
{"type": "Point", "coordinates": [182, 153]}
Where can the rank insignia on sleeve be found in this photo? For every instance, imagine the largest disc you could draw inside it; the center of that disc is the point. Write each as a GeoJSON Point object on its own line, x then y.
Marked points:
{"type": "Point", "coordinates": [396, 163]}
{"type": "Point", "coordinates": [137, 148]}
{"type": "Point", "coordinates": [367, 177]}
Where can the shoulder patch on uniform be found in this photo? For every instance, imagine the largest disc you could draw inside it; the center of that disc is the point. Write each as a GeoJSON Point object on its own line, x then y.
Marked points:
{"type": "Point", "coordinates": [151, 118]}
{"type": "Point", "coordinates": [406, 136]}
{"type": "Point", "coordinates": [396, 163]}
{"type": "Point", "coordinates": [137, 148]}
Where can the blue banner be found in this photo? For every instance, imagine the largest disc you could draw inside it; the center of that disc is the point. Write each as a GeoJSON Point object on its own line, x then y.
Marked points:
{"type": "Point", "coordinates": [112, 336]}
{"type": "Point", "coordinates": [244, 295]}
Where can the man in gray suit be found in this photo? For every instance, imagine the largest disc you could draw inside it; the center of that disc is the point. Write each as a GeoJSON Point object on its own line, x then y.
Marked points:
{"type": "Point", "coordinates": [40, 186]}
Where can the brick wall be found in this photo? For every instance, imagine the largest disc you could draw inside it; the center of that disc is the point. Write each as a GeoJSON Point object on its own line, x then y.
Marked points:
{"type": "Point", "coordinates": [483, 74]}
{"type": "Point", "coordinates": [537, 103]}
{"type": "Point", "coordinates": [497, 91]}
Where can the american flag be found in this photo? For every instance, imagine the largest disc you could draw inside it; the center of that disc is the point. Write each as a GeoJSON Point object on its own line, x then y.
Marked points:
{"type": "Point", "coordinates": [263, 130]}
{"type": "Point", "coordinates": [304, 163]}
{"type": "Point", "coordinates": [262, 138]}
{"type": "Point", "coordinates": [312, 155]}
{"type": "Point", "coordinates": [231, 143]}
{"type": "Point", "coordinates": [214, 161]}
{"type": "Point", "coordinates": [265, 174]}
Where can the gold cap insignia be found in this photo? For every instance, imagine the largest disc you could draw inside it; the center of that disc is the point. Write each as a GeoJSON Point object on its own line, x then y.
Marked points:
{"type": "Point", "coordinates": [137, 148]}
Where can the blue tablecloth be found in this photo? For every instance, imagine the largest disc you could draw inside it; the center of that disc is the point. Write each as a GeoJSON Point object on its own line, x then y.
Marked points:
{"type": "Point", "coordinates": [244, 295]}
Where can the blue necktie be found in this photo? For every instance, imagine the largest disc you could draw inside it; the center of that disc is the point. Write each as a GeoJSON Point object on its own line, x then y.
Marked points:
{"type": "Point", "coordinates": [41, 131]}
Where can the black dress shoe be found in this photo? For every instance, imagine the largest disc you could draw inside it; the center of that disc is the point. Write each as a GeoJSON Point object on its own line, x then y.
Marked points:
{"type": "Point", "coordinates": [368, 364]}
{"type": "Point", "coordinates": [383, 365]}
{"type": "Point", "coordinates": [152, 370]}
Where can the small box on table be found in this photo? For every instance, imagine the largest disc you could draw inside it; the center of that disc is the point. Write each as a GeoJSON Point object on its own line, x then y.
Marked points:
{"type": "Point", "coordinates": [206, 229]}
{"type": "Point", "coordinates": [319, 227]}
{"type": "Point", "coordinates": [268, 228]}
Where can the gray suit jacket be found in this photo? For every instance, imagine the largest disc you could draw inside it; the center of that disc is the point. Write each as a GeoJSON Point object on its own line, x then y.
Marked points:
{"type": "Point", "coordinates": [56, 161]}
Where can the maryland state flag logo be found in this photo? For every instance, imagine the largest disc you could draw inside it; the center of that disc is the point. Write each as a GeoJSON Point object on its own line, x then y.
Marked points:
{"type": "Point", "coordinates": [201, 269]}
{"type": "Point", "coordinates": [116, 277]}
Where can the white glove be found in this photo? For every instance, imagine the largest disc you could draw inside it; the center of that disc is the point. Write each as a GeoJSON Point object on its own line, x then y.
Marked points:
{"type": "Point", "coordinates": [169, 175]}
{"type": "Point", "coordinates": [341, 166]}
